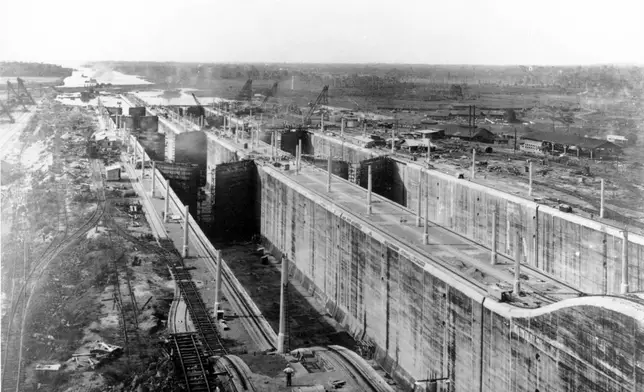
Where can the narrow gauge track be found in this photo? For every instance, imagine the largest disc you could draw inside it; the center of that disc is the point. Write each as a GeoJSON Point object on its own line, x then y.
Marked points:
{"type": "Point", "coordinates": [261, 332]}
{"type": "Point", "coordinates": [366, 382]}
{"type": "Point", "coordinates": [238, 374]}
{"type": "Point", "coordinates": [207, 334]}
{"type": "Point", "coordinates": [12, 362]}
{"type": "Point", "coordinates": [198, 311]}
{"type": "Point", "coordinates": [191, 355]}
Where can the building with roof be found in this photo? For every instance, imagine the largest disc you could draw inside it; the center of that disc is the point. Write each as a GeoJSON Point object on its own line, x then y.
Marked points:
{"type": "Point", "coordinates": [499, 114]}
{"type": "Point", "coordinates": [113, 172]}
{"type": "Point", "coordinates": [431, 134]}
{"type": "Point", "coordinates": [364, 141]}
{"type": "Point", "coordinates": [481, 135]}
{"type": "Point", "coordinates": [439, 115]}
{"type": "Point", "coordinates": [414, 145]}
{"type": "Point", "coordinates": [106, 138]}
{"type": "Point", "coordinates": [556, 143]}
{"type": "Point", "coordinates": [617, 139]}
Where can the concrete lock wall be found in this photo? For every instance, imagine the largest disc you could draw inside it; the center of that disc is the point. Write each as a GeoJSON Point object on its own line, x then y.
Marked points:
{"type": "Point", "coordinates": [338, 168]}
{"type": "Point", "coordinates": [428, 323]}
{"type": "Point", "coordinates": [576, 250]}
{"type": "Point", "coordinates": [149, 123]}
{"type": "Point", "coordinates": [218, 153]}
{"type": "Point", "coordinates": [137, 111]}
{"type": "Point", "coordinates": [234, 201]}
{"type": "Point", "coordinates": [191, 147]}
{"type": "Point", "coordinates": [381, 175]}
{"type": "Point", "coordinates": [325, 145]}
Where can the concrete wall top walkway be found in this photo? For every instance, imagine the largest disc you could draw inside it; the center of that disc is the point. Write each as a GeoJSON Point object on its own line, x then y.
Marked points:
{"type": "Point", "coordinates": [456, 260]}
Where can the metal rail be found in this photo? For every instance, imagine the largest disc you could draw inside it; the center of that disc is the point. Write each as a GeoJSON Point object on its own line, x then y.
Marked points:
{"type": "Point", "coordinates": [198, 312]}
{"type": "Point", "coordinates": [51, 253]}
{"type": "Point", "coordinates": [190, 356]}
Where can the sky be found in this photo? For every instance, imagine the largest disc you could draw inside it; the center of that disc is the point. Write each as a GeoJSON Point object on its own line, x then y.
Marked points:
{"type": "Point", "coordinates": [491, 32]}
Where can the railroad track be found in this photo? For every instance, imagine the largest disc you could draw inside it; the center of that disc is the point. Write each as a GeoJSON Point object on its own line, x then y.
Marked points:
{"type": "Point", "coordinates": [367, 380]}
{"type": "Point", "coordinates": [262, 333]}
{"type": "Point", "coordinates": [198, 312]}
{"type": "Point", "coordinates": [12, 362]}
{"type": "Point", "coordinates": [191, 354]}
{"type": "Point", "coordinates": [238, 374]}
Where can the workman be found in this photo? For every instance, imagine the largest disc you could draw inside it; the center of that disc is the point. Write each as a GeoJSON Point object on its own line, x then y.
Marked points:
{"type": "Point", "coordinates": [289, 374]}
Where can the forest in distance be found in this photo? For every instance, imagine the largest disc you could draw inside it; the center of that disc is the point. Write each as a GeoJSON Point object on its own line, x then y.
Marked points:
{"type": "Point", "coordinates": [605, 80]}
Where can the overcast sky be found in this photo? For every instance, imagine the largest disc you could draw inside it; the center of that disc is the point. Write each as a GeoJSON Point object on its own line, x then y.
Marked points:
{"type": "Point", "coordinates": [553, 32]}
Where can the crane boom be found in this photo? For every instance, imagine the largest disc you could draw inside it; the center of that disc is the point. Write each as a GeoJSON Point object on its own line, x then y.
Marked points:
{"type": "Point", "coordinates": [323, 98]}
{"type": "Point", "coordinates": [196, 100]}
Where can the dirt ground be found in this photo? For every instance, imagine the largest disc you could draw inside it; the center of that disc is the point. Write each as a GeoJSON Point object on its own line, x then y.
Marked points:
{"type": "Point", "coordinates": [72, 305]}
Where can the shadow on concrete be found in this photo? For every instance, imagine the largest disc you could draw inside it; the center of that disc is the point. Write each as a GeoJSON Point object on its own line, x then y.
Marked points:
{"type": "Point", "coordinates": [309, 325]}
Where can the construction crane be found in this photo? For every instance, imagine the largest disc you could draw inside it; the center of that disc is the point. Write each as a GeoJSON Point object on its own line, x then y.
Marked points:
{"type": "Point", "coordinates": [322, 99]}
{"type": "Point", "coordinates": [271, 93]}
{"type": "Point", "coordinates": [246, 93]}
{"type": "Point", "coordinates": [6, 111]}
{"type": "Point", "coordinates": [196, 100]}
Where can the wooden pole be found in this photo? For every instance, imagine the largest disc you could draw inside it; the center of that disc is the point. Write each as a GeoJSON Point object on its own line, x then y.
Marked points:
{"type": "Point", "coordinates": [624, 287]}
{"type": "Point", "coordinates": [419, 195]}
{"type": "Point", "coordinates": [426, 228]}
{"type": "Point", "coordinates": [517, 264]}
{"type": "Point", "coordinates": [218, 283]}
{"type": "Point", "coordinates": [493, 251]}
{"type": "Point", "coordinates": [283, 288]}
{"type": "Point", "coordinates": [154, 177]}
{"type": "Point", "coordinates": [369, 179]}
{"type": "Point", "coordinates": [530, 180]}
{"type": "Point", "coordinates": [166, 209]}
{"type": "Point", "coordinates": [601, 200]}
{"type": "Point", "coordinates": [329, 169]}
{"type": "Point", "coordinates": [185, 232]}
{"type": "Point", "coordinates": [473, 162]}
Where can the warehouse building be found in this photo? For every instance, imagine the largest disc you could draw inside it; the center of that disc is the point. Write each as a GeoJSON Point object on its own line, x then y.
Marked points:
{"type": "Point", "coordinates": [542, 143]}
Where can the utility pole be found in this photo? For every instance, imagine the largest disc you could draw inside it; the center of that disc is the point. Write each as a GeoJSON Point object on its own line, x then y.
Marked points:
{"type": "Point", "coordinates": [515, 140]}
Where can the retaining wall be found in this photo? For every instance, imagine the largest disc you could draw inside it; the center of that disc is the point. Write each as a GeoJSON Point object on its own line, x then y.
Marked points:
{"type": "Point", "coordinates": [427, 323]}
{"type": "Point", "coordinates": [577, 250]}
{"type": "Point", "coordinates": [234, 201]}
{"type": "Point", "coordinates": [191, 147]}
{"type": "Point", "coordinates": [344, 151]}
{"type": "Point", "coordinates": [584, 253]}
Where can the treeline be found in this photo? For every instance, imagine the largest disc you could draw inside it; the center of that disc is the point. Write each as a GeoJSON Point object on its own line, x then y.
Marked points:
{"type": "Point", "coordinates": [15, 69]}
{"type": "Point", "coordinates": [377, 78]}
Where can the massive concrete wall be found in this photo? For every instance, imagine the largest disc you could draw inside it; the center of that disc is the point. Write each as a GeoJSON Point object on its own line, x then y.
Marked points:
{"type": "Point", "coordinates": [579, 251]}
{"type": "Point", "coordinates": [584, 253]}
{"type": "Point", "coordinates": [338, 168]}
{"type": "Point", "coordinates": [218, 152]}
{"type": "Point", "coordinates": [428, 323]}
{"type": "Point", "coordinates": [345, 151]}
{"type": "Point", "coordinates": [381, 176]}
{"type": "Point", "coordinates": [234, 204]}
{"type": "Point", "coordinates": [191, 147]}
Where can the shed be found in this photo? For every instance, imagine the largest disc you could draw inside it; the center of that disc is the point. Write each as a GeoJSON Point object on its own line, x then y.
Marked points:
{"type": "Point", "coordinates": [106, 138]}
{"type": "Point", "coordinates": [113, 172]}
{"type": "Point", "coordinates": [431, 134]}
{"type": "Point", "coordinates": [562, 142]}
{"type": "Point", "coordinates": [364, 141]}
{"type": "Point", "coordinates": [495, 113]}
{"type": "Point", "coordinates": [617, 139]}
{"type": "Point", "coordinates": [439, 114]}
{"type": "Point", "coordinates": [414, 145]}
{"type": "Point", "coordinates": [481, 135]}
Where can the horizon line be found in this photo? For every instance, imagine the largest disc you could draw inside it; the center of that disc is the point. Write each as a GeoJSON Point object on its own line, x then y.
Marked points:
{"type": "Point", "coordinates": [61, 62]}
